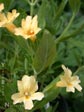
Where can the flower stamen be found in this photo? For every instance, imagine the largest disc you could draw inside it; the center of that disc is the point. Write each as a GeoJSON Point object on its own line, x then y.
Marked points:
{"type": "Point", "coordinates": [30, 32]}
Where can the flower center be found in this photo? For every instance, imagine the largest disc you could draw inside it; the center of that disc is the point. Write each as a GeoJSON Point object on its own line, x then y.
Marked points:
{"type": "Point", "coordinates": [27, 95]}
{"type": "Point", "coordinates": [69, 84]}
{"type": "Point", "coordinates": [30, 32]}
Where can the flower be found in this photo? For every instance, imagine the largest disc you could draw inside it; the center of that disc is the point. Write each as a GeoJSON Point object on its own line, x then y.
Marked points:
{"type": "Point", "coordinates": [29, 28]}
{"type": "Point", "coordinates": [27, 92]}
{"type": "Point", "coordinates": [68, 81]}
{"type": "Point", "coordinates": [6, 20]}
{"type": "Point", "coordinates": [1, 6]}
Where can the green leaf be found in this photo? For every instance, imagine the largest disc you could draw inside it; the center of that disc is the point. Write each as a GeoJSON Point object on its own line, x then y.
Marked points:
{"type": "Point", "coordinates": [75, 5]}
{"type": "Point", "coordinates": [41, 14]}
{"type": "Point", "coordinates": [8, 4]}
{"type": "Point", "coordinates": [23, 43]}
{"type": "Point", "coordinates": [46, 52]}
{"type": "Point", "coordinates": [50, 93]}
{"type": "Point", "coordinates": [10, 110]}
{"type": "Point", "coordinates": [9, 89]}
{"type": "Point", "coordinates": [60, 9]}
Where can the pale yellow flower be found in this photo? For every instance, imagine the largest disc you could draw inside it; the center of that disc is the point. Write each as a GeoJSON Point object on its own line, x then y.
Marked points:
{"type": "Point", "coordinates": [6, 20]}
{"type": "Point", "coordinates": [27, 92]}
{"type": "Point", "coordinates": [68, 81]}
{"type": "Point", "coordinates": [1, 6]}
{"type": "Point", "coordinates": [29, 28]}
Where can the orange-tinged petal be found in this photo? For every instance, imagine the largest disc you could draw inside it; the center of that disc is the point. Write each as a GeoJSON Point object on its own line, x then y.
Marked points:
{"type": "Point", "coordinates": [11, 27]}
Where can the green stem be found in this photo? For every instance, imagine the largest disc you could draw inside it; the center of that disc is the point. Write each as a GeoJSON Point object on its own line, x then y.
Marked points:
{"type": "Point", "coordinates": [25, 65]}
{"type": "Point", "coordinates": [79, 69]}
{"type": "Point", "coordinates": [32, 3]}
{"type": "Point", "coordinates": [73, 34]}
{"type": "Point", "coordinates": [31, 8]}
{"type": "Point", "coordinates": [66, 29]}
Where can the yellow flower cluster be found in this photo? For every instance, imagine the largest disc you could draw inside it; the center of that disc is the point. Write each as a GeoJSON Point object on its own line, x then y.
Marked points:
{"type": "Point", "coordinates": [29, 26]}
{"type": "Point", "coordinates": [6, 20]}
{"type": "Point", "coordinates": [28, 86]}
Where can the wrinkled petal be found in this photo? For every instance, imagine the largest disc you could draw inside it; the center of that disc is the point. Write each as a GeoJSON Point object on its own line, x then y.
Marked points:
{"type": "Point", "coordinates": [28, 104]}
{"type": "Point", "coordinates": [70, 89]}
{"type": "Point", "coordinates": [29, 83]}
{"type": "Point", "coordinates": [37, 96]}
{"type": "Point", "coordinates": [17, 98]}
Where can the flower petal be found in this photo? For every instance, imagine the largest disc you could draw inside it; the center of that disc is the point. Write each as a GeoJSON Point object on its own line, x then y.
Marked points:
{"type": "Point", "coordinates": [78, 87]}
{"type": "Point", "coordinates": [67, 71]}
{"type": "Point", "coordinates": [34, 22]}
{"type": "Point", "coordinates": [37, 96]}
{"type": "Point", "coordinates": [3, 19]}
{"type": "Point", "coordinates": [28, 104]}
{"type": "Point", "coordinates": [70, 89]}
{"type": "Point", "coordinates": [1, 6]}
{"type": "Point", "coordinates": [26, 23]}
{"type": "Point", "coordinates": [20, 86]}
{"type": "Point", "coordinates": [29, 83]}
{"type": "Point", "coordinates": [17, 98]}
{"type": "Point", "coordinates": [11, 16]}
{"type": "Point", "coordinates": [75, 80]}
{"type": "Point", "coordinates": [60, 84]}
{"type": "Point", "coordinates": [18, 31]}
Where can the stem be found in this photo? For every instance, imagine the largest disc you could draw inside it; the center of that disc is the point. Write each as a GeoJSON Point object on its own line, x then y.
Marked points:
{"type": "Point", "coordinates": [65, 30]}
{"type": "Point", "coordinates": [32, 3]}
{"type": "Point", "coordinates": [79, 69]}
{"type": "Point", "coordinates": [25, 65]}
{"type": "Point", "coordinates": [31, 8]}
{"type": "Point", "coordinates": [76, 32]}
